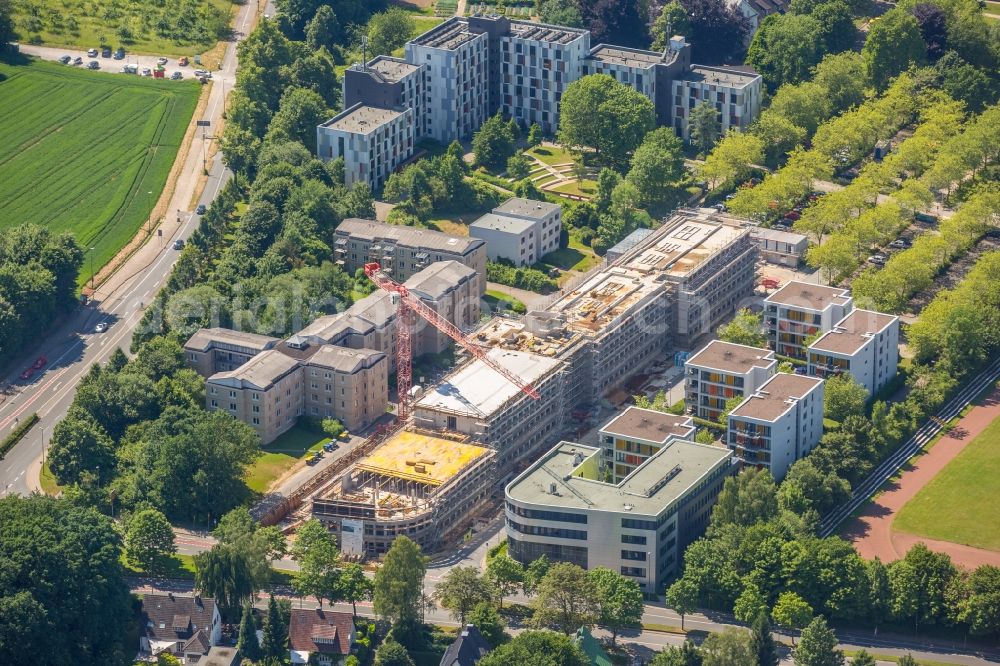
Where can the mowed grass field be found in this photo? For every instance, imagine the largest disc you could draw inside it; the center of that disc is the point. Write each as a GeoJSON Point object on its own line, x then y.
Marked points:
{"type": "Point", "coordinates": [957, 504]}
{"type": "Point", "coordinates": [81, 151]}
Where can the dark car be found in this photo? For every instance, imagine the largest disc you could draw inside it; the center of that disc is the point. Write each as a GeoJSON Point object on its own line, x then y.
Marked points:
{"type": "Point", "coordinates": [329, 446]}
{"type": "Point", "coordinates": [105, 51]}
{"type": "Point", "coordinates": [179, 244]}
{"type": "Point", "coordinates": [119, 54]}
{"type": "Point", "coordinates": [39, 363]}
{"type": "Point", "coordinates": [65, 59]}
{"type": "Point", "coordinates": [93, 64]}
{"type": "Point", "coordinates": [200, 210]}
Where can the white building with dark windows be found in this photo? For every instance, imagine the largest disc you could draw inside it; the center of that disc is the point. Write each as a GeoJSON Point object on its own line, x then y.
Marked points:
{"type": "Point", "coordinates": [520, 230]}
{"type": "Point", "coordinates": [777, 424]}
{"type": "Point", "coordinates": [373, 141]}
{"type": "Point", "coordinates": [800, 311]}
{"type": "Point", "coordinates": [459, 73]}
{"type": "Point", "coordinates": [864, 344]}
{"type": "Point", "coordinates": [721, 371]}
{"type": "Point", "coordinates": [638, 526]}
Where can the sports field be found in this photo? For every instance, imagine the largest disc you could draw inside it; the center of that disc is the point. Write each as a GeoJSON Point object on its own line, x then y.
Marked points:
{"type": "Point", "coordinates": [87, 152]}
{"type": "Point", "coordinates": [957, 504]}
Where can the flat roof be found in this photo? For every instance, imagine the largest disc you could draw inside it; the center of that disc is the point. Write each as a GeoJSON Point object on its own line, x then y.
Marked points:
{"type": "Point", "coordinates": [804, 295]}
{"type": "Point", "coordinates": [544, 32]}
{"type": "Point", "coordinates": [680, 248]}
{"type": "Point", "coordinates": [478, 390]}
{"type": "Point", "coordinates": [370, 230]}
{"type": "Point", "coordinates": [622, 55]}
{"type": "Point", "coordinates": [660, 481]}
{"type": "Point", "coordinates": [449, 35]}
{"type": "Point", "coordinates": [527, 208]}
{"type": "Point", "coordinates": [649, 425]}
{"type": "Point", "coordinates": [204, 338]}
{"type": "Point", "coordinates": [630, 241]}
{"type": "Point", "coordinates": [420, 457]}
{"type": "Point", "coordinates": [776, 396]}
{"type": "Point", "coordinates": [726, 76]}
{"type": "Point", "coordinates": [390, 69]}
{"type": "Point", "coordinates": [732, 358]}
{"type": "Point", "coordinates": [777, 235]}
{"type": "Point", "coordinates": [362, 119]}
{"type": "Point", "coordinates": [853, 331]}
{"type": "Point", "coordinates": [505, 223]}
{"type": "Point", "coordinates": [261, 371]}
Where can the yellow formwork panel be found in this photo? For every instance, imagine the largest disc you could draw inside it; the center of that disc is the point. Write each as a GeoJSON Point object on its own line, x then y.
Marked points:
{"type": "Point", "coordinates": [418, 457]}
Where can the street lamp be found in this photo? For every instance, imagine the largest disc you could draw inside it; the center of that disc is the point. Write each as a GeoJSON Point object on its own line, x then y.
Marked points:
{"type": "Point", "coordinates": [149, 205]}
{"type": "Point", "coordinates": [90, 255]}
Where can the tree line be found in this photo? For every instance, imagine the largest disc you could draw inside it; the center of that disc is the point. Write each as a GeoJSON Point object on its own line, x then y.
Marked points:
{"type": "Point", "coordinates": [38, 274]}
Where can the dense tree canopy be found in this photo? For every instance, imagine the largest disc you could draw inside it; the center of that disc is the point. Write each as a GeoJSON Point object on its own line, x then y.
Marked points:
{"type": "Point", "coordinates": [717, 30]}
{"type": "Point", "coordinates": [539, 648]}
{"type": "Point", "coordinates": [52, 552]}
{"type": "Point", "coordinates": [785, 48]}
{"type": "Point", "coordinates": [599, 112]}
{"type": "Point", "coordinates": [893, 44]}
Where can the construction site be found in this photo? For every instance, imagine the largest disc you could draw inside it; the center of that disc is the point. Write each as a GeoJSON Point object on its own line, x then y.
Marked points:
{"type": "Point", "coordinates": [522, 382]}
{"type": "Point", "coordinates": [415, 483]}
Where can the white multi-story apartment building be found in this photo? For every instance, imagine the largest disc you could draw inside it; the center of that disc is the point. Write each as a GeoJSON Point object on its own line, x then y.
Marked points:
{"type": "Point", "coordinates": [800, 311]}
{"type": "Point", "coordinates": [373, 142]}
{"type": "Point", "coordinates": [638, 526]}
{"type": "Point", "coordinates": [864, 344]}
{"type": "Point", "coordinates": [721, 371]}
{"type": "Point", "coordinates": [635, 435]}
{"type": "Point", "coordinates": [520, 230]}
{"type": "Point", "coordinates": [778, 424]}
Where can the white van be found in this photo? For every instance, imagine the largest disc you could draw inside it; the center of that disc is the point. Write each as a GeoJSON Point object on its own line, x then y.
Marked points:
{"type": "Point", "coordinates": [130, 69]}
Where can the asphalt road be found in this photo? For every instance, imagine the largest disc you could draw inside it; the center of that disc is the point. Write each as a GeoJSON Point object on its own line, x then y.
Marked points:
{"type": "Point", "coordinates": [74, 346]}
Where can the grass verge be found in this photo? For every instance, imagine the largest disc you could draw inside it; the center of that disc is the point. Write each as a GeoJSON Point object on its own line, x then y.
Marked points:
{"type": "Point", "coordinates": [48, 481]}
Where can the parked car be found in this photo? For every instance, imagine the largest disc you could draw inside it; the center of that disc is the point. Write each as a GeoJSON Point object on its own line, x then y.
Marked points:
{"type": "Point", "coordinates": [900, 243]}
{"type": "Point", "coordinates": [120, 54]}
{"type": "Point", "coordinates": [39, 363]}
{"type": "Point", "coordinates": [26, 375]}
{"type": "Point", "coordinates": [177, 76]}
{"type": "Point", "coordinates": [200, 210]}
{"type": "Point", "coordinates": [91, 53]}
{"type": "Point", "coordinates": [329, 446]}
{"type": "Point", "coordinates": [793, 215]}
{"type": "Point", "coordinates": [105, 51]}
{"type": "Point", "coordinates": [130, 69]}
{"type": "Point", "coordinates": [146, 71]}
{"type": "Point", "coordinates": [778, 226]}
{"type": "Point", "coordinates": [203, 73]}
{"type": "Point", "coordinates": [183, 61]}
{"type": "Point", "coordinates": [100, 328]}
{"type": "Point", "coordinates": [78, 60]}
{"type": "Point", "coordinates": [93, 64]}
{"type": "Point", "coordinates": [179, 244]}
{"type": "Point", "coordinates": [877, 259]}
{"type": "Point", "coordinates": [65, 59]}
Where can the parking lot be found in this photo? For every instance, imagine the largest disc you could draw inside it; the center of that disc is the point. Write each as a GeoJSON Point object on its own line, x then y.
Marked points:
{"type": "Point", "coordinates": [111, 64]}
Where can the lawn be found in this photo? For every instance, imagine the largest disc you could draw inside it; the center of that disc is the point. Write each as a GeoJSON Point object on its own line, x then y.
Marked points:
{"type": "Point", "coordinates": [952, 506]}
{"type": "Point", "coordinates": [576, 257]}
{"type": "Point", "coordinates": [48, 482]}
{"type": "Point", "coordinates": [581, 188]}
{"type": "Point", "coordinates": [550, 154]}
{"type": "Point", "coordinates": [165, 27]}
{"type": "Point", "coordinates": [80, 151]}
{"type": "Point", "coordinates": [498, 300]}
{"type": "Point", "coordinates": [281, 454]}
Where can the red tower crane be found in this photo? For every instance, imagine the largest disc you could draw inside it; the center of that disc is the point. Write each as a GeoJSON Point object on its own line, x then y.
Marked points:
{"type": "Point", "coordinates": [408, 305]}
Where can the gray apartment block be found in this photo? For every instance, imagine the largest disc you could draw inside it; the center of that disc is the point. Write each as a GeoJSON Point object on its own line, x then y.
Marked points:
{"type": "Point", "coordinates": [404, 251]}
{"type": "Point", "coordinates": [373, 141]}
{"type": "Point", "coordinates": [454, 64]}
{"type": "Point", "coordinates": [459, 73]}
{"type": "Point", "coordinates": [389, 83]}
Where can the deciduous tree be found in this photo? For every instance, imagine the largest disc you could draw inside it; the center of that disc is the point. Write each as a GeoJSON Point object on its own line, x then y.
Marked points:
{"type": "Point", "coordinates": [461, 590]}
{"type": "Point", "coordinates": [389, 30]}
{"type": "Point", "coordinates": [600, 112]}
{"type": "Point", "coordinates": [745, 328]}
{"type": "Point", "coordinates": [818, 646]}
{"type": "Point", "coordinates": [566, 599]}
{"type": "Point", "coordinates": [149, 539]}
{"type": "Point", "coordinates": [657, 165]}
{"type": "Point", "coordinates": [791, 611]}
{"type": "Point", "coordinates": [893, 44]}
{"type": "Point", "coordinates": [399, 581]}
{"type": "Point", "coordinates": [704, 126]}
{"type": "Point", "coordinates": [785, 48]}
{"type": "Point", "coordinates": [538, 648]}
{"type": "Point", "coordinates": [619, 600]}
{"type": "Point", "coordinates": [506, 575]}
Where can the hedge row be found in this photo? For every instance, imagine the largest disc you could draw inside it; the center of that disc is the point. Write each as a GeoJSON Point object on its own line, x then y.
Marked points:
{"type": "Point", "coordinates": [19, 432]}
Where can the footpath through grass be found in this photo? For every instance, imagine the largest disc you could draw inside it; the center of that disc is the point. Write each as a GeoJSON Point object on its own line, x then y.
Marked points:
{"type": "Point", "coordinates": [952, 506]}
{"type": "Point", "coordinates": [87, 152]}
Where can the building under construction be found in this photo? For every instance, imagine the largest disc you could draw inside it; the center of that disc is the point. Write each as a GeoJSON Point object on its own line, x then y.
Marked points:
{"type": "Point", "coordinates": [674, 286]}
{"type": "Point", "coordinates": [416, 483]}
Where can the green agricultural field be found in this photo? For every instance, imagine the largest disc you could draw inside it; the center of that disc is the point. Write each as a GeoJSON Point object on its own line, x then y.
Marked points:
{"type": "Point", "coordinates": [952, 506]}
{"type": "Point", "coordinates": [165, 27]}
{"type": "Point", "coordinates": [81, 151]}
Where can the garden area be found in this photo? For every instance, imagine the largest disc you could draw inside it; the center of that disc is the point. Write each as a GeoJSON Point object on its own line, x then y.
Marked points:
{"type": "Point", "coordinates": [281, 455]}
{"type": "Point", "coordinates": [165, 27]}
